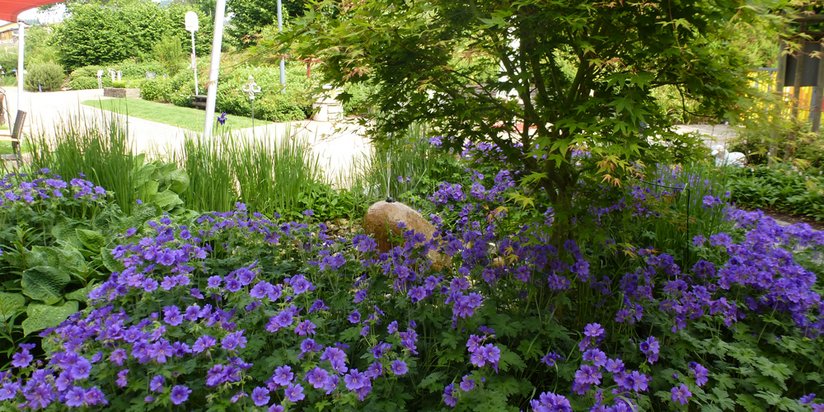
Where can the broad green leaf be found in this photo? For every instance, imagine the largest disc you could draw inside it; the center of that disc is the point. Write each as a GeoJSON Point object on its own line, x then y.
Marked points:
{"type": "Point", "coordinates": [40, 317]}
{"type": "Point", "coordinates": [10, 304]}
{"type": "Point", "coordinates": [91, 239]}
{"type": "Point", "coordinates": [44, 283]}
{"type": "Point", "coordinates": [81, 294]}
{"type": "Point", "coordinates": [167, 200]}
{"type": "Point", "coordinates": [178, 181]}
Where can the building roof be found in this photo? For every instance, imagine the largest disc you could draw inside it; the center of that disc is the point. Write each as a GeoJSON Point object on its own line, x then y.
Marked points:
{"type": "Point", "coordinates": [9, 9]}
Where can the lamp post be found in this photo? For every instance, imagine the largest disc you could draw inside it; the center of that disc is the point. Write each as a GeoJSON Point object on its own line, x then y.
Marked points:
{"type": "Point", "coordinates": [282, 62]}
{"type": "Point", "coordinates": [192, 26]}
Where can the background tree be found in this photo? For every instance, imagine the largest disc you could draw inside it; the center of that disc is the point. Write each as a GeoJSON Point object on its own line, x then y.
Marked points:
{"type": "Point", "coordinates": [536, 77]}
{"type": "Point", "coordinates": [100, 33]}
{"type": "Point", "coordinates": [249, 17]}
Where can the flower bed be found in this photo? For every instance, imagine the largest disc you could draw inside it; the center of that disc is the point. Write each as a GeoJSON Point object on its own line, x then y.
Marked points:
{"type": "Point", "coordinates": [238, 311]}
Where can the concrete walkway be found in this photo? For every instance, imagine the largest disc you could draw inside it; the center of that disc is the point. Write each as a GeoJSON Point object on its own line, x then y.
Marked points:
{"type": "Point", "coordinates": [338, 145]}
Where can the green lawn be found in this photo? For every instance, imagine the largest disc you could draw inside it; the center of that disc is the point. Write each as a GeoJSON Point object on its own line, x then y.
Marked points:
{"type": "Point", "coordinates": [184, 117]}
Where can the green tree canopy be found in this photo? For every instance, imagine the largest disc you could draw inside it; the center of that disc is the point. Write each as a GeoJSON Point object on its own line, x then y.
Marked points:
{"type": "Point", "coordinates": [573, 73]}
{"type": "Point", "coordinates": [249, 17]}
{"type": "Point", "coordinates": [100, 33]}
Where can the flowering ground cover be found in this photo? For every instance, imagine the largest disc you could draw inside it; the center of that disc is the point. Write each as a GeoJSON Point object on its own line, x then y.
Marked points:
{"type": "Point", "coordinates": [236, 310]}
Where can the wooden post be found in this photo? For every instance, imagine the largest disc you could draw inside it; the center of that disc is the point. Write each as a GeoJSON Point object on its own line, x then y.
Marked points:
{"type": "Point", "coordinates": [800, 62]}
{"type": "Point", "coordinates": [818, 94]}
{"type": "Point", "coordinates": [781, 72]}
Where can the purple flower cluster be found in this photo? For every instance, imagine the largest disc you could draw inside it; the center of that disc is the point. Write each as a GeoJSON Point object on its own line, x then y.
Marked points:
{"type": "Point", "coordinates": [207, 321]}
{"type": "Point", "coordinates": [44, 188]}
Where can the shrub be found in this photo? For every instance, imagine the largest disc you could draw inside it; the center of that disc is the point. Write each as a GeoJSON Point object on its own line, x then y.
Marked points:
{"type": "Point", "coordinates": [169, 54]}
{"type": "Point", "coordinates": [158, 89]}
{"type": "Point", "coordinates": [82, 83]}
{"type": "Point", "coordinates": [357, 98]}
{"type": "Point", "coordinates": [134, 70]}
{"type": "Point", "coordinates": [781, 188]}
{"type": "Point", "coordinates": [45, 76]}
{"type": "Point", "coordinates": [183, 87]}
{"type": "Point", "coordinates": [295, 103]}
{"type": "Point", "coordinates": [119, 84]}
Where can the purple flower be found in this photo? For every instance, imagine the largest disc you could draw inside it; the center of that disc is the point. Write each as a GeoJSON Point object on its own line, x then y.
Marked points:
{"type": "Point", "coordinates": [681, 394]}
{"type": "Point", "coordinates": [700, 373]}
{"type": "Point", "coordinates": [355, 380]}
{"type": "Point", "coordinates": [317, 377]}
{"type": "Point", "coordinates": [75, 397]}
{"type": "Point", "coordinates": [22, 358]}
{"type": "Point", "coordinates": [202, 343]}
{"type": "Point", "coordinates": [294, 393]}
{"type": "Point", "coordinates": [305, 328]}
{"type": "Point", "coordinates": [449, 395]}
{"type": "Point", "coordinates": [550, 402]}
{"type": "Point", "coordinates": [650, 349]}
{"type": "Point", "coordinates": [300, 284]}
{"type": "Point", "coordinates": [180, 393]}
{"type": "Point", "coordinates": [336, 357]}
{"type": "Point", "coordinates": [122, 380]}
{"type": "Point", "coordinates": [222, 118]}
{"type": "Point", "coordinates": [587, 375]}
{"type": "Point", "coordinates": [594, 330]}
{"type": "Point", "coordinates": [486, 354]}
{"type": "Point", "coordinates": [283, 375]}
{"type": "Point", "coordinates": [354, 317]}
{"type": "Point", "coordinates": [172, 316]}
{"type": "Point", "coordinates": [467, 384]}
{"type": "Point", "coordinates": [156, 383]}
{"type": "Point", "coordinates": [399, 367]}
{"type": "Point", "coordinates": [234, 340]}
{"type": "Point", "coordinates": [213, 282]}
{"type": "Point", "coordinates": [260, 396]}
{"type": "Point", "coordinates": [551, 358]}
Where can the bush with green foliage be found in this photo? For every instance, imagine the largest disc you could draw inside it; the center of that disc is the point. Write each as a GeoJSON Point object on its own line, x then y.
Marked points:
{"type": "Point", "coordinates": [168, 52]}
{"type": "Point", "coordinates": [357, 98]}
{"type": "Point", "coordinates": [293, 103]}
{"type": "Point", "coordinates": [95, 33]}
{"type": "Point", "coordinates": [158, 89]}
{"type": "Point", "coordinates": [82, 83]}
{"type": "Point", "coordinates": [44, 77]}
{"type": "Point", "coordinates": [782, 188]}
{"type": "Point", "coordinates": [588, 82]}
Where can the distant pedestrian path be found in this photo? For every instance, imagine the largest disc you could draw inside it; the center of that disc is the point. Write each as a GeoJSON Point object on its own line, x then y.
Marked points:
{"type": "Point", "coordinates": [337, 144]}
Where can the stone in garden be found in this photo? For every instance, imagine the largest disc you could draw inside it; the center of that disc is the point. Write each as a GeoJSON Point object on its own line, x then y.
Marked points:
{"type": "Point", "coordinates": [381, 222]}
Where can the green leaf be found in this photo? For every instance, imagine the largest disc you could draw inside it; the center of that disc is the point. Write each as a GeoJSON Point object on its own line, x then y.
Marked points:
{"type": "Point", "coordinates": [81, 294]}
{"type": "Point", "coordinates": [46, 316]}
{"type": "Point", "coordinates": [433, 382]}
{"type": "Point", "coordinates": [178, 181]}
{"type": "Point", "coordinates": [10, 304]}
{"type": "Point", "coordinates": [44, 283]}
{"type": "Point", "coordinates": [91, 239]}
{"type": "Point", "coordinates": [166, 200]}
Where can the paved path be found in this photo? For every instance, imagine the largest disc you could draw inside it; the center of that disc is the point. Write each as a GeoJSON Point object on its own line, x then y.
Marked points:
{"type": "Point", "coordinates": [337, 144]}
{"type": "Point", "coordinates": [711, 134]}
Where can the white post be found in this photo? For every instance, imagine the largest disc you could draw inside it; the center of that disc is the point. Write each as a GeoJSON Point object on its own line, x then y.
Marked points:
{"type": "Point", "coordinates": [282, 62]}
{"type": "Point", "coordinates": [217, 41]}
{"type": "Point", "coordinates": [21, 50]}
{"type": "Point", "coordinates": [194, 64]}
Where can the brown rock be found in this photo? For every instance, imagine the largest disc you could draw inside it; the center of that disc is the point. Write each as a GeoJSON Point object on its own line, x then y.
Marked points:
{"type": "Point", "coordinates": [381, 222]}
